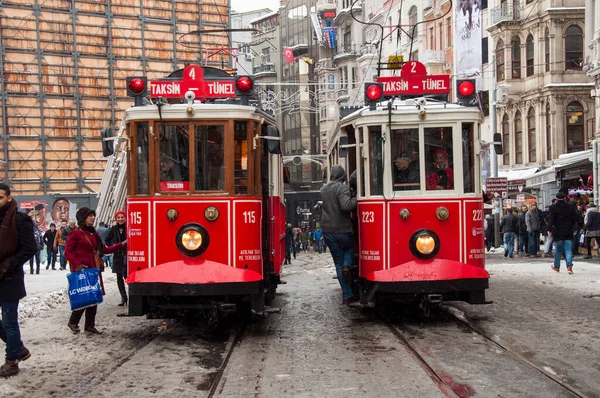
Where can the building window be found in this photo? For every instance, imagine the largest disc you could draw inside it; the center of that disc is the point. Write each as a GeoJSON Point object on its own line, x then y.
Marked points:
{"type": "Point", "coordinates": [266, 55]}
{"type": "Point", "coordinates": [574, 48]}
{"type": "Point", "coordinates": [529, 55]}
{"type": "Point", "coordinates": [531, 141]}
{"type": "Point", "coordinates": [575, 123]}
{"type": "Point", "coordinates": [449, 31]}
{"type": "Point", "coordinates": [500, 61]}
{"type": "Point", "coordinates": [412, 21]}
{"type": "Point", "coordinates": [441, 38]}
{"type": "Point", "coordinates": [548, 134]}
{"type": "Point", "coordinates": [431, 38]}
{"type": "Point", "coordinates": [505, 141]}
{"type": "Point", "coordinates": [547, 49]}
{"type": "Point", "coordinates": [484, 50]}
{"type": "Point", "coordinates": [516, 57]}
{"type": "Point", "coordinates": [518, 138]}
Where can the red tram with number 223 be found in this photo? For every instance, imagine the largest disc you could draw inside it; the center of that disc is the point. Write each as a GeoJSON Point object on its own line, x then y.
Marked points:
{"type": "Point", "coordinates": [206, 217]}
{"type": "Point", "coordinates": [418, 184]}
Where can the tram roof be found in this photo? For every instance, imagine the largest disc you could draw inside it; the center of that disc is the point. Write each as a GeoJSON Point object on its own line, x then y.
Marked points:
{"type": "Point", "coordinates": [201, 111]}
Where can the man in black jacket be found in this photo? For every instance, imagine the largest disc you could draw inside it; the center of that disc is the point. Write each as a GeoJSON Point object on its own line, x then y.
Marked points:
{"type": "Point", "coordinates": [561, 224]}
{"type": "Point", "coordinates": [18, 245]}
{"type": "Point", "coordinates": [49, 237]}
{"type": "Point", "coordinates": [509, 226]}
{"type": "Point", "coordinates": [336, 223]}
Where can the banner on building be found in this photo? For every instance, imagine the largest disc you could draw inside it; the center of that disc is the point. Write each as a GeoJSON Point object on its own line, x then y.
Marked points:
{"type": "Point", "coordinates": [467, 44]}
{"type": "Point", "coordinates": [316, 25]}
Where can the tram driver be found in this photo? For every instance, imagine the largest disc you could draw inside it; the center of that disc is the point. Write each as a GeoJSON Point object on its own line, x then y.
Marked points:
{"type": "Point", "coordinates": [406, 173]}
{"type": "Point", "coordinates": [171, 170]}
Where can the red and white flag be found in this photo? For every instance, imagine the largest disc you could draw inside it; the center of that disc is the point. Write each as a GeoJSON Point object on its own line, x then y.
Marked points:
{"type": "Point", "coordinates": [288, 54]}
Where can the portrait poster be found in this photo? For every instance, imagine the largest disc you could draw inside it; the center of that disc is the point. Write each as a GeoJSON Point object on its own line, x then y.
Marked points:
{"type": "Point", "coordinates": [36, 209]}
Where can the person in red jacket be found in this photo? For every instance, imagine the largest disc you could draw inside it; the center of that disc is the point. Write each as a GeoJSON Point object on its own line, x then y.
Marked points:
{"type": "Point", "coordinates": [81, 246]}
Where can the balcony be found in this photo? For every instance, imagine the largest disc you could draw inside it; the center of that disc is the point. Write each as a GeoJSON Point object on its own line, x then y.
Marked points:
{"type": "Point", "coordinates": [342, 95]}
{"type": "Point", "coordinates": [344, 14]}
{"type": "Point", "coordinates": [433, 57]}
{"type": "Point", "coordinates": [506, 13]}
{"type": "Point", "coordinates": [345, 51]}
{"type": "Point", "coordinates": [427, 4]}
{"type": "Point", "coordinates": [326, 5]}
{"type": "Point", "coordinates": [264, 70]}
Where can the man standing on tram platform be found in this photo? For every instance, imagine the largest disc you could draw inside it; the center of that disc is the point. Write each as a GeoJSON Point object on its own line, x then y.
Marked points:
{"type": "Point", "coordinates": [336, 223]}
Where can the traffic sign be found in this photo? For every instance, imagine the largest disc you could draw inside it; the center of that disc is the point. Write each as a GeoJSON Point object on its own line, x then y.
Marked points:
{"type": "Point", "coordinates": [395, 61]}
{"type": "Point", "coordinates": [193, 80]}
{"type": "Point", "coordinates": [414, 80]}
{"type": "Point", "coordinates": [497, 187]}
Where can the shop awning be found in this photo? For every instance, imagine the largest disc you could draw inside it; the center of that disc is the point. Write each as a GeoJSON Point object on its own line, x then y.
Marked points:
{"type": "Point", "coordinates": [572, 164]}
{"type": "Point", "coordinates": [541, 177]}
{"type": "Point", "coordinates": [518, 174]}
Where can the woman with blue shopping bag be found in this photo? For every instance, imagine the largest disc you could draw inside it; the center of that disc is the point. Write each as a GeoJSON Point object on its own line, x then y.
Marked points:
{"type": "Point", "coordinates": [84, 250]}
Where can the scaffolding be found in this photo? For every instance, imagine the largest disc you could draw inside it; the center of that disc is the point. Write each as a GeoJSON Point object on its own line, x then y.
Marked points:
{"type": "Point", "coordinates": [63, 65]}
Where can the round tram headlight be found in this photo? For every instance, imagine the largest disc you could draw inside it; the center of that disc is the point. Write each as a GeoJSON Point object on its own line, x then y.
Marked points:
{"type": "Point", "coordinates": [192, 239]}
{"type": "Point", "coordinates": [424, 244]}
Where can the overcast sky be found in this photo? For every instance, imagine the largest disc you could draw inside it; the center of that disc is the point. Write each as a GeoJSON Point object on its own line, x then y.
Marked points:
{"type": "Point", "coordinates": [246, 5]}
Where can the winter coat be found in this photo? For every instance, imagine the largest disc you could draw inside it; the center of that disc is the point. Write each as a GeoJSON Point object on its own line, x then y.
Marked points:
{"type": "Point", "coordinates": [522, 223]}
{"type": "Point", "coordinates": [532, 220]}
{"type": "Point", "coordinates": [489, 230]}
{"type": "Point", "coordinates": [338, 203]}
{"type": "Point", "coordinates": [119, 264]}
{"type": "Point", "coordinates": [510, 223]}
{"type": "Point", "coordinates": [12, 283]}
{"type": "Point", "coordinates": [79, 252]}
{"type": "Point", "coordinates": [592, 222]}
{"type": "Point", "coordinates": [49, 237]}
{"type": "Point", "coordinates": [562, 221]}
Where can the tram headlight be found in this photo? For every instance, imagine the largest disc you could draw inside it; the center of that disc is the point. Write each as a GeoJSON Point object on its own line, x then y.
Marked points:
{"type": "Point", "coordinates": [192, 239]}
{"type": "Point", "coordinates": [424, 244]}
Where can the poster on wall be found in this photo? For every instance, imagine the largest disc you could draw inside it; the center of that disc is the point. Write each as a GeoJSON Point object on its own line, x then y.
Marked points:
{"type": "Point", "coordinates": [36, 209]}
{"type": "Point", "coordinates": [467, 46]}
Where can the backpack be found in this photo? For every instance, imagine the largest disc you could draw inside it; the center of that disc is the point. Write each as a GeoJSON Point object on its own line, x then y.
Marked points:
{"type": "Point", "coordinates": [39, 238]}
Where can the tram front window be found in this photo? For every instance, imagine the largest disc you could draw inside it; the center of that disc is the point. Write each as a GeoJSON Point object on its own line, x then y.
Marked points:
{"type": "Point", "coordinates": [468, 151]}
{"type": "Point", "coordinates": [174, 158]}
{"type": "Point", "coordinates": [142, 159]}
{"type": "Point", "coordinates": [438, 158]}
{"type": "Point", "coordinates": [209, 147]}
{"type": "Point", "coordinates": [405, 159]}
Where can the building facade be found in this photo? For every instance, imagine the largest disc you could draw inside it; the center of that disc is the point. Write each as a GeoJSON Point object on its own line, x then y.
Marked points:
{"type": "Point", "coordinates": [592, 55]}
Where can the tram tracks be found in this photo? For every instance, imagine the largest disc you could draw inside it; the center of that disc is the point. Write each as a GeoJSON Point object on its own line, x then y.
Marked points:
{"type": "Point", "coordinates": [463, 360]}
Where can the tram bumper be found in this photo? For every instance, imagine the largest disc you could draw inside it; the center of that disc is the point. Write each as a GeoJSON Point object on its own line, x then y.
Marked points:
{"type": "Point", "coordinates": [452, 279]}
{"type": "Point", "coordinates": [191, 279]}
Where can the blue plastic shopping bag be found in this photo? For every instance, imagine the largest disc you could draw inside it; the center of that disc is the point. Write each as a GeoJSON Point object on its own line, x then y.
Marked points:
{"type": "Point", "coordinates": [84, 288]}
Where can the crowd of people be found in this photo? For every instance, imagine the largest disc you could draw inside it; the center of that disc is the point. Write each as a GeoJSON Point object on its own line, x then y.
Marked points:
{"type": "Point", "coordinates": [79, 244]}
{"type": "Point", "coordinates": [571, 222]}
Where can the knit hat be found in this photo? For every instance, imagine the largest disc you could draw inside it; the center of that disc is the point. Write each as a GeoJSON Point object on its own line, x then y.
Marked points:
{"type": "Point", "coordinates": [83, 213]}
{"type": "Point", "coordinates": [560, 196]}
{"type": "Point", "coordinates": [121, 212]}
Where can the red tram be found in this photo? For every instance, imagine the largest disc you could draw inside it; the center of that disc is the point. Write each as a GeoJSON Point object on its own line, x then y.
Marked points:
{"type": "Point", "coordinates": [206, 216]}
{"type": "Point", "coordinates": [419, 200]}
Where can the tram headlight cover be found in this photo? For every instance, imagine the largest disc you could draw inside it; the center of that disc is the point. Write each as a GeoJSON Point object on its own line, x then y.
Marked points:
{"type": "Point", "coordinates": [192, 239]}
{"type": "Point", "coordinates": [424, 244]}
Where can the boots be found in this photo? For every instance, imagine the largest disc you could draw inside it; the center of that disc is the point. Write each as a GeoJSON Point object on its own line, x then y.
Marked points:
{"type": "Point", "coordinates": [123, 302]}
{"type": "Point", "coordinates": [24, 354]}
{"type": "Point", "coordinates": [10, 368]}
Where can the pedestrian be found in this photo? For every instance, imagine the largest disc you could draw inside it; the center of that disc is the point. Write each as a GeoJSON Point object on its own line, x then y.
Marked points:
{"type": "Point", "coordinates": [289, 244]}
{"type": "Point", "coordinates": [103, 232]}
{"type": "Point", "coordinates": [39, 243]}
{"type": "Point", "coordinates": [49, 237]}
{"type": "Point", "coordinates": [591, 228]}
{"type": "Point", "coordinates": [304, 239]}
{"type": "Point", "coordinates": [336, 222]}
{"type": "Point", "coordinates": [490, 237]}
{"type": "Point", "coordinates": [60, 241]}
{"type": "Point", "coordinates": [319, 240]}
{"type": "Point", "coordinates": [116, 234]}
{"type": "Point", "coordinates": [82, 246]}
{"type": "Point", "coordinates": [523, 237]}
{"type": "Point", "coordinates": [532, 221]}
{"type": "Point", "coordinates": [18, 245]}
{"type": "Point", "coordinates": [548, 237]}
{"type": "Point", "coordinates": [561, 226]}
{"type": "Point", "coordinates": [508, 227]}
{"type": "Point", "coordinates": [578, 227]}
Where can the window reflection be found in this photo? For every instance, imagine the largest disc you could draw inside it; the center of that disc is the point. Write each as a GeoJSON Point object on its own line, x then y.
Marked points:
{"type": "Point", "coordinates": [405, 159]}
{"type": "Point", "coordinates": [142, 159]}
{"type": "Point", "coordinates": [174, 157]}
{"type": "Point", "coordinates": [376, 156]}
{"type": "Point", "coordinates": [439, 158]}
{"type": "Point", "coordinates": [240, 161]}
{"type": "Point", "coordinates": [468, 139]}
{"type": "Point", "coordinates": [208, 142]}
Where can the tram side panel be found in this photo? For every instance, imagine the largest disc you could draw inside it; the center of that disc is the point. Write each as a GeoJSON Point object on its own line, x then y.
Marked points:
{"type": "Point", "coordinates": [474, 233]}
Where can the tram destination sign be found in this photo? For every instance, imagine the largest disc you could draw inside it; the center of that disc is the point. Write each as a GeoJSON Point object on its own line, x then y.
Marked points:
{"type": "Point", "coordinates": [193, 80]}
{"type": "Point", "coordinates": [497, 186]}
{"type": "Point", "coordinates": [414, 80]}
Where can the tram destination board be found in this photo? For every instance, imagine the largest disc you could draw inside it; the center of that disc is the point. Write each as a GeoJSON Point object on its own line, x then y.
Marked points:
{"type": "Point", "coordinates": [497, 186]}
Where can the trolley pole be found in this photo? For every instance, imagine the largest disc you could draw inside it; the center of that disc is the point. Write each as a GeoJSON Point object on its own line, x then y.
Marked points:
{"type": "Point", "coordinates": [496, 211]}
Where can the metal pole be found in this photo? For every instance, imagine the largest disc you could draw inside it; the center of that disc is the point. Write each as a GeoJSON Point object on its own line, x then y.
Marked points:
{"type": "Point", "coordinates": [595, 170]}
{"type": "Point", "coordinates": [494, 159]}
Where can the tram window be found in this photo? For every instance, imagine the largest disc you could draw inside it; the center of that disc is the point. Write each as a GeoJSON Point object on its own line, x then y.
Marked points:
{"type": "Point", "coordinates": [142, 159]}
{"type": "Point", "coordinates": [405, 159]}
{"type": "Point", "coordinates": [468, 157]}
{"type": "Point", "coordinates": [174, 157]}
{"type": "Point", "coordinates": [376, 160]}
{"type": "Point", "coordinates": [209, 147]}
{"type": "Point", "coordinates": [240, 159]}
{"type": "Point", "coordinates": [439, 158]}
